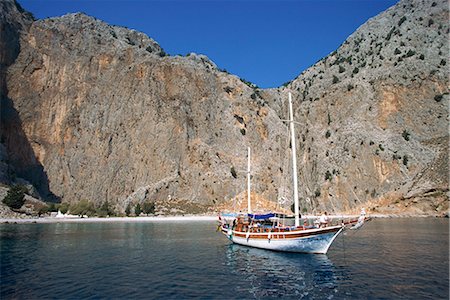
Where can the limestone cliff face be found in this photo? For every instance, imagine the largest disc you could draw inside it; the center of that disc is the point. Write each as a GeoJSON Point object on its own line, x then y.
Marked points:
{"type": "Point", "coordinates": [375, 115]}
{"type": "Point", "coordinates": [109, 116]}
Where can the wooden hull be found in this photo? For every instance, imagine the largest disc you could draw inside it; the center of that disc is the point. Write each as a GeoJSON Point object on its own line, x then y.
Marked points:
{"type": "Point", "coordinates": [305, 241]}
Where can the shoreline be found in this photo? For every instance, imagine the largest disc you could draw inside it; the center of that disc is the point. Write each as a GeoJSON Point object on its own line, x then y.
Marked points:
{"type": "Point", "coordinates": [48, 220]}
{"type": "Point", "coordinates": [193, 218]}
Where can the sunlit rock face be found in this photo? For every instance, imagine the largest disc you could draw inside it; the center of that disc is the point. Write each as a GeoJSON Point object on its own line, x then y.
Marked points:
{"type": "Point", "coordinates": [100, 112]}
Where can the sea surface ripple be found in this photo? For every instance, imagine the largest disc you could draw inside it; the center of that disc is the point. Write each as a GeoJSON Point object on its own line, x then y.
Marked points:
{"type": "Point", "coordinates": [386, 259]}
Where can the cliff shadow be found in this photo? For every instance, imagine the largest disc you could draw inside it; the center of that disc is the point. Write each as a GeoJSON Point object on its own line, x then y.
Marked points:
{"type": "Point", "coordinates": [21, 156]}
{"type": "Point", "coordinates": [21, 159]}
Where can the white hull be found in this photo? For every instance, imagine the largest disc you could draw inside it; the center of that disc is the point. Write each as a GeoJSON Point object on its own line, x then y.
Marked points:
{"type": "Point", "coordinates": [315, 243]}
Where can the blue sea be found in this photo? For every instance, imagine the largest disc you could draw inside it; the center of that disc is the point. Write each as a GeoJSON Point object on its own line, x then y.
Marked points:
{"type": "Point", "coordinates": [386, 259]}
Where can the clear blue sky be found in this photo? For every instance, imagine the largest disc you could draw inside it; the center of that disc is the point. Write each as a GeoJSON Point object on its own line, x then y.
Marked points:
{"type": "Point", "coordinates": [266, 42]}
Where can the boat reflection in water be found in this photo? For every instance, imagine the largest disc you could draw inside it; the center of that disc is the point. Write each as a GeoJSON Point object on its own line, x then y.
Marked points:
{"type": "Point", "coordinates": [288, 275]}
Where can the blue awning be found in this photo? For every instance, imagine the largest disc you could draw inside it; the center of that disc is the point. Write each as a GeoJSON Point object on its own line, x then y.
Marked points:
{"type": "Point", "coordinates": [261, 217]}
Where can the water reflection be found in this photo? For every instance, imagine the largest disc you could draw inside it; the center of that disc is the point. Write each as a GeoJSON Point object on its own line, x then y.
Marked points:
{"type": "Point", "coordinates": [389, 259]}
{"type": "Point", "coordinates": [265, 273]}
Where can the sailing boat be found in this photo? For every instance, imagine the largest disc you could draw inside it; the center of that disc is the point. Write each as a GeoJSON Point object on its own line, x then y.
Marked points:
{"type": "Point", "coordinates": [267, 231]}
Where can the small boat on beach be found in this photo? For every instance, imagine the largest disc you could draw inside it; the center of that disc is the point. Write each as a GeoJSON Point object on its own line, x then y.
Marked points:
{"type": "Point", "coordinates": [274, 231]}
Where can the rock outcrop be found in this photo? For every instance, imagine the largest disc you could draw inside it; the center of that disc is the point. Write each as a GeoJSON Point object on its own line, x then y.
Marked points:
{"type": "Point", "coordinates": [100, 112]}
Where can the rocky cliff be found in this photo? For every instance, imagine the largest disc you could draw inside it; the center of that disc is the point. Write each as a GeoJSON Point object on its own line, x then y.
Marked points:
{"type": "Point", "coordinates": [99, 112]}
{"type": "Point", "coordinates": [111, 117]}
{"type": "Point", "coordinates": [376, 115]}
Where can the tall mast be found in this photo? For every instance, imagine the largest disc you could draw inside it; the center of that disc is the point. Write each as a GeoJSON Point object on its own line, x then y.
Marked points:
{"type": "Point", "coordinates": [294, 162]}
{"type": "Point", "coordinates": [248, 183]}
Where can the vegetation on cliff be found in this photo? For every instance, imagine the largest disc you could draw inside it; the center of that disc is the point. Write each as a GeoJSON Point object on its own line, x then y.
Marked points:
{"type": "Point", "coordinates": [15, 197]}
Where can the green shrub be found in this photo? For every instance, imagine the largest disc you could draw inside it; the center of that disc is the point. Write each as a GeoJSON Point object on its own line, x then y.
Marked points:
{"type": "Point", "coordinates": [233, 172]}
{"type": "Point", "coordinates": [137, 209]}
{"type": "Point", "coordinates": [405, 135]}
{"type": "Point", "coordinates": [105, 210]}
{"type": "Point", "coordinates": [438, 98]}
{"type": "Point", "coordinates": [335, 79]}
{"type": "Point", "coordinates": [396, 51]}
{"type": "Point", "coordinates": [403, 19]}
{"type": "Point", "coordinates": [148, 207]}
{"type": "Point", "coordinates": [250, 84]}
{"type": "Point", "coordinates": [389, 35]}
{"type": "Point", "coordinates": [228, 89]}
{"type": "Point", "coordinates": [15, 197]}
{"type": "Point", "coordinates": [410, 53]}
{"type": "Point", "coordinates": [327, 134]}
{"type": "Point", "coordinates": [341, 69]}
{"type": "Point", "coordinates": [317, 193]}
{"type": "Point", "coordinates": [52, 207]}
{"type": "Point", "coordinates": [105, 207]}
{"type": "Point", "coordinates": [350, 87]}
{"type": "Point", "coordinates": [64, 207]}
{"type": "Point", "coordinates": [43, 210]}
{"type": "Point", "coordinates": [328, 175]}
{"type": "Point", "coordinates": [162, 53]}
{"type": "Point", "coordinates": [130, 42]}
{"type": "Point", "coordinates": [128, 209]}
{"type": "Point", "coordinates": [405, 160]}
{"type": "Point", "coordinates": [83, 207]}
{"type": "Point", "coordinates": [355, 70]}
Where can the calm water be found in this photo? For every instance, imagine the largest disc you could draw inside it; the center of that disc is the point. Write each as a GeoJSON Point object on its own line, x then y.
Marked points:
{"type": "Point", "coordinates": [387, 259]}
